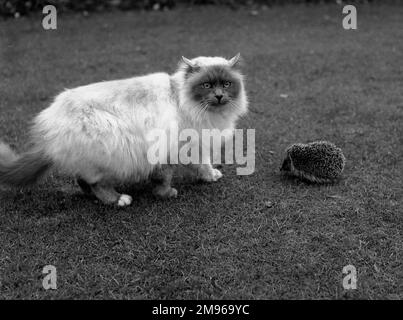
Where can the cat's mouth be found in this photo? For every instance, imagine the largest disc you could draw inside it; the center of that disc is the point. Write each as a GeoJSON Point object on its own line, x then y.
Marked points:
{"type": "Point", "coordinates": [218, 103]}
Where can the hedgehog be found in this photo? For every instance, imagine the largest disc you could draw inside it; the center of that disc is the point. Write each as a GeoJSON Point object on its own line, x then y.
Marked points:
{"type": "Point", "coordinates": [318, 161]}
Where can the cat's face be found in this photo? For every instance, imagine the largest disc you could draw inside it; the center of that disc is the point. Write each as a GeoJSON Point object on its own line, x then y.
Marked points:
{"type": "Point", "coordinates": [214, 84]}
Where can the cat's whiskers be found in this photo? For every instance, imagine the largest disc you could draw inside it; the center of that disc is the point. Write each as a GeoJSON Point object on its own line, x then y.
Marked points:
{"type": "Point", "coordinates": [202, 109]}
{"type": "Point", "coordinates": [238, 108]}
{"type": "Point", "coordinates": [197, 107]}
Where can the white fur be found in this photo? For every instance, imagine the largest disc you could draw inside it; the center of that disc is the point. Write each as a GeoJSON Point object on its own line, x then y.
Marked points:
{"type": "Point", "coordinates": [124, 200]}
{"type": "Point", "coordinates": [99, 131]}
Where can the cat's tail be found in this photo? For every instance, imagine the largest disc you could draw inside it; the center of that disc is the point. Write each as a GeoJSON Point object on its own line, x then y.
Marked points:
{"type": "Point", "coordinates": [22, 170]}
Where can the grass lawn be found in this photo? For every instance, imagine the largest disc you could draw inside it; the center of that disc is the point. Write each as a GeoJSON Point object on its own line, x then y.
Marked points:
{"type": "Point", "coordinates": [218, 240]}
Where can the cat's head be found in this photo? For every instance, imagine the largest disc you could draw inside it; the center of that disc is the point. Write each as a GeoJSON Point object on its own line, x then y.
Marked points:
{"type": "Point", "coordinates": [214, 85]}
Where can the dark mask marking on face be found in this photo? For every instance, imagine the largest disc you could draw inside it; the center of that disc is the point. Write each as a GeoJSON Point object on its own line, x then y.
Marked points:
{"type": "Point", "coordinates": [217, 85]}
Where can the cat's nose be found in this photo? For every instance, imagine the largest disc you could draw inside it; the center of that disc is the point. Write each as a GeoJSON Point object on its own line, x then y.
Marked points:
{"type": "Point", "coordinates": [218, 97]}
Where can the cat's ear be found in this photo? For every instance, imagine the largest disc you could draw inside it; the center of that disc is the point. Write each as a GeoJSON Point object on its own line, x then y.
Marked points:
{"type": "Point", "coordinates": [190, 66]}
{"type": "Point", "coordinates": [233, 61]}
{"type": "Point", "coordinates": [188, 62]}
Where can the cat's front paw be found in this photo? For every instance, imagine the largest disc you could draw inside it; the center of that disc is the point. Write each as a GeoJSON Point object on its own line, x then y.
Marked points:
{"type": "Point", "coordinates": [217, 174]}
{"type": "Point", "coordinates": [213, 176]}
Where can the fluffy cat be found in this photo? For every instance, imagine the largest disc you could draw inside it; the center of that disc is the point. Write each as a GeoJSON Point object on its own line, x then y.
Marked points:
{"type": "Point", "coordinates": [99, 132]}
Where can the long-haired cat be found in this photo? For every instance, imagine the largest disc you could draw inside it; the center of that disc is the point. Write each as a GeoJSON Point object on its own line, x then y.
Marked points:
{"type": "Point", "coordinates": [98, 133]}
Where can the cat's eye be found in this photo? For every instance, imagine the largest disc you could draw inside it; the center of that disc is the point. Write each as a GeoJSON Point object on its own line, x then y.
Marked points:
{"type": "Point", "coordinates": [227, 84]}
{"type": "Point", "coordinates": [206, 85]}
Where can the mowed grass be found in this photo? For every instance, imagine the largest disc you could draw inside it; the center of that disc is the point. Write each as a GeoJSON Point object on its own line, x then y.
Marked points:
{"type": "Point", "coordinates": [252, 237]}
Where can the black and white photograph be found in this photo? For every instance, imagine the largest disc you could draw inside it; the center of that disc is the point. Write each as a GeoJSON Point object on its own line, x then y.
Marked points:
{"type": "Point", "coordinates": [222, 152]}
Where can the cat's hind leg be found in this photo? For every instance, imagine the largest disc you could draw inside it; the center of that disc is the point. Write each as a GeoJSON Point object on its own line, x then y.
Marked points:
{"type": "Point", "coordinates": [108, 195]}
{"type": "Point", "coordinates": [93, 182]}
{"type": "Point", "coordinates": [163, 177]}
{"type": "Point", "coordinates": [84, 185]}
